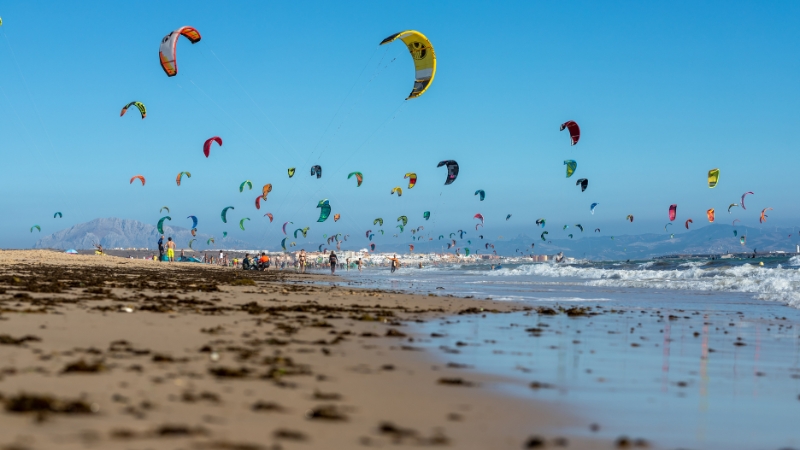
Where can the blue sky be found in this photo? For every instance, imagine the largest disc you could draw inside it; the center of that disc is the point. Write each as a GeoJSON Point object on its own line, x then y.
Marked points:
{"type": "Point", "coordinates": [662, 92]}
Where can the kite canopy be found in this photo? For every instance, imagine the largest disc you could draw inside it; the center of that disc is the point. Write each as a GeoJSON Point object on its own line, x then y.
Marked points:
{"type": "Point", "coordinates": [359, 178]}
{"type": "Point", "coordinates": [482, 194]}
{"type": "Point", "coordinates": [37, 227]}
{"type": "Point", "coordinates": [241, 223]}
{"type": "Point", "coordinates": [542, 235]}
{"type": "Point", "coordinates": [508, 217]}
{"type": "Point", "coordinates": [478, 216]}
{"type": "Point", "coordinates": [710, 214]}
{"type": "Point", "coordinates": [426, 215]}
{"type": "Point", "coordinates": [424, 58]}
{"type": "Point", "coordinates": [743, 195]}
{"type": "Point", "coordinates": [574, 131]}
{"type": "Point", "coordinates": [403, 219]}
{"type": "Point", "coordinates": [763, 217]}
{"type": "Point", "coordinates": [139, 177]}
{"type": "Point", "coordinates": [336, 217]}
{"type": "Point", "coordinates": [167, 50]}
{"type": "Point", "coordinates": [325, 210]}
{"type": "Point", "coordinates": [207, 144]}
{"type": "Point", "coordinates": [571, 166]}
{"type": "Point", "coordinates": [713, 178]}
{"type": "Point", "coordinates": [398, 190]}
{"type": "Point", "coordinates": [452, 170]}
{"type": "Point", "coordinates": [594, 205]}
{"type": "Point", "coordinates": [629, 218]}
{"type": "Point", "coordinates": [673, 209]}
{"type": "Point", "coordinates": [688, 221]}
{"type": "Point", "coordinates": [161, 224]}
{"type": "Point", "coordinates": [138, 105]}
{"type": "Point", "coordinates": [412, 179]}
{"type": "Point", "coordinates": [194, 221]}
{"type": "Point", "coordinates": [266, 190]}
{"type": "Point", "coordinates": [583, 182]}
{"type": "Point", "coordinates": [163, 208]}
{"type": "Point", "coordinates": [731, 206]}
{"type": "Point", "coordinates": [291, 172]}
{"type": "Point", "coordinates": [58, 214]}
{"type": "Point", "coordinates": [258, 202]}
{"type": "Point", "coordinates": [180, 176]}
{"type": "Point", "coordinates": [224, 213]}
{"type": "Point", "coordinates": [316, 170]}
{"type": "Point", "coordinates": [284, 226]}
{"type": "Point", "coordinates": [247, 183]}
{"type": "Point", "coordinates": [378, 222]}
{"type": "Point", "coordinates": [540, 222]}
{"type": "Point", "coordinates": [270, 216]}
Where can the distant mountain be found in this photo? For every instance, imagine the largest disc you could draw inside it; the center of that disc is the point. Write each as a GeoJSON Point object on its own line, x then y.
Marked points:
{"type": "Point", "coordinates": [711, 239]}
{"type": "Point", "coordinates": [127, 233]}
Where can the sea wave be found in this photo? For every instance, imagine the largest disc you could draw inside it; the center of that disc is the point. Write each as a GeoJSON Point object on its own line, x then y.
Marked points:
{"type": "Point", "coordinates": [772, 284]}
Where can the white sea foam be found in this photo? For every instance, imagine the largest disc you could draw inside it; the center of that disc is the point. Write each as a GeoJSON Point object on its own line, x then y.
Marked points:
{"type": "Point", "coordinates": [773, 284]}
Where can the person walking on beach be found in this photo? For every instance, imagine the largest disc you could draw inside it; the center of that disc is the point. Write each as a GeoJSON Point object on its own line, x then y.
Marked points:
{"type": "Point", "coordinates": [347, 264]}
{"type": "Point", "coordinates": [170, 249]}
{"type": "Point", "coordinates": [395, 264]}
{"type": "Point", "coordinates": [161, 249]}
{"type": "Point", "coordinates": [333, 260]}
{"type": "Point", "coordinates": [359, 264]}
{"type": "Point", "coordinates": [301, 259]}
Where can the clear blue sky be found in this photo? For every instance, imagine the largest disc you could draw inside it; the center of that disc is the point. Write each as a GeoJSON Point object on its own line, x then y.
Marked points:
{"type": "Point", "coordinates": [663, 92]}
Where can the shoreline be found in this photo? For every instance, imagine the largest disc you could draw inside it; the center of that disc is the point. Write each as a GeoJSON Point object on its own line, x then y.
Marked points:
{"type": "Point", "coordinates": [212, 357]}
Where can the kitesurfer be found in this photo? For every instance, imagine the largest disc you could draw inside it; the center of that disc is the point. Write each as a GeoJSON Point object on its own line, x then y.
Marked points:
{"type": "Point", "coordinates": [161, 248]}
{"type": "Point", "coordinates": [395, 264]}
{"type": "Point", "coordinates": [170, 249]}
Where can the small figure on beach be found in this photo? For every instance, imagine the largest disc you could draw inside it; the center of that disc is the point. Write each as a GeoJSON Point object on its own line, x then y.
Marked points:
{"type": "Point", "coordinates": [359, 263]}
{"type": "Point", "coordinates": [333, 260]}
{"type": "Point", "coordinates": [161, 248]}
{"type": "Point", "coordinates": [560, 257]}
{"type": "Point", "coordinates": [301, 260]}
{"type": "Point", "coordinates": [263, 262]}
{"type": "Point", "coordinates": [394, 263]}
{"type": "Point", "coordinates": [170, 249]}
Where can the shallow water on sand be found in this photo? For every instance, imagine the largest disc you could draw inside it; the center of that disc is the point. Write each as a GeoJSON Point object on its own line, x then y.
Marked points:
{"type": "Point", "coordinates": [705, 364]}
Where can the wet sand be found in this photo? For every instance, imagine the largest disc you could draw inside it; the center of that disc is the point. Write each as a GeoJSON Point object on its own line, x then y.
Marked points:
{"type": "Point", "coordinates": [106, 352]}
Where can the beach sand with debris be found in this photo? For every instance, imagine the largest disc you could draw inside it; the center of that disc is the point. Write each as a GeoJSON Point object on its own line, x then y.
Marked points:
{"type": "Point", "coordinates": [108, 352]}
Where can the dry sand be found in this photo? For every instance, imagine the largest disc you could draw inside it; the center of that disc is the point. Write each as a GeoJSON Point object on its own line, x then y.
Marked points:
{"type": "Point", "coordinates": [106, 352]}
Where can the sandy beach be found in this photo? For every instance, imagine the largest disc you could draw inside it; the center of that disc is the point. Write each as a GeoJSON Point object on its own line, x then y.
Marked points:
{"type": "Point", "coordinates": [106, 352]}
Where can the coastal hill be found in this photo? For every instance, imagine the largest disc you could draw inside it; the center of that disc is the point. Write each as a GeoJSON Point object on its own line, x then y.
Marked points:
{"type": "Point", "coordinates": [127, 233]}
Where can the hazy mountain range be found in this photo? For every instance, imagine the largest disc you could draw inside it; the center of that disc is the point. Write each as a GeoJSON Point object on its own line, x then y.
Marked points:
{"type": "Point", "coordinates": [127, 233]}
{"type": "Point", "coordinates": [710, 239]}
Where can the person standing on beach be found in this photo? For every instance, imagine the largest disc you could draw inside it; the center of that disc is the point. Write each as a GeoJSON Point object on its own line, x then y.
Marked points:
{"type": "Point", "coordinates": [301, 259]}
{"type": "Point", "coordinates": [347, 264]}
{"type": "Point", "coordinates": [170, 249]}
{"type": "Point", "coordinates": [161, 249]}
{"type": "Point", "coordinates": [333, 261]}
{"type": "Point", "coordinates": [395, 264]}
{"type": "Point", "coordinates": [221, 257]}
{"type": "Point", "coordinates": [359, 264]}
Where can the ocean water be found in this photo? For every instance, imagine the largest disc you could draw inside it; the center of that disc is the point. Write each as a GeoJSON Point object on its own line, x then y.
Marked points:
{"type": "Point", "coordinates": [778, 280]}
{"type": "Point", "coordinates": [684, 353]}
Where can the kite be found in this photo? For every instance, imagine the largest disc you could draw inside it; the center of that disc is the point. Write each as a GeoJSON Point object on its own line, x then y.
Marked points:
{"type": "Point", "coordinates": [713, 177]}
{"type": "Point", "coordinates": [194, 221]}
{"type": "Point", "coordinates": [283, 244]}
{"type": "Point", "coordinates": [190, 243]}
{"type": "Point", "coordinates": [372, 247]}
{"type": "Point", "coordinates": [224, 234]}
{"type": "Point", "coordinates": [37, 227]}
{"type": "Point", "coordinates": [668, 224]}
{"type": "Point", "coordinates": [452, 170]}
{"type": "Point", "coordinates": [367, 233]}
{"type": "Point", "coordinates": [270, 216]}
{"type": "Point", "coordinates": [565, 227]}
{"type": "Point", "coordinates": [736, 233]}
{"type": "Point", "coordinates": [574, 131]}
{"type": "Point", "coordinates": [583, 182]}
{"type": "Point", "coordinates": [207, 144]}
{"type": "Point", "coordinates": [734, 222]}
{"type": "Point", "coordinates": [266, 190]}
{"type": "Point", "coordinates": [180, 175]}
{"type": "Point", "coordinates": [411, 247]}
{"type": "Point", "coordinates": [58, 214]}
{"type": "Point", "coordinates": [403, 219]}
{"type": "Point", "coordinates": [302, 230]}
{"type": "Point", "coordinates": [426, 215]}
{"type": "Point", "coordinates": [763, 217]}
{"type": "Point", "coordinates": [400, 226]}
{"type": "Point", "coordinates": [508, 217]}
{"type": "Point", "coordinates": [597, 230]}
{"type": "Point", "coordinates": [167, 49]}
{"type": "Point", "coordinates": [540, 222]}
{"type": "Point", "coordinates": [194, 231]}
{"type": "Point", "coordinates": [247, 183]}
{"type": "Point", "coordinates": [316, 170]}
{"type": "Point", "coordinates": [412, 179]}
{"type": "Point", "coordinates": [161, 224]}
{"type": "Point", "coordinates": [593, 206]}
{"type": "Point", "coordinates": [336, 217]}
{"type": "Point", "coordinates": [399, 191]}
{"type": "Point", "coordinates": [424, 58]}
{"type": "Point", "coordinates": [478, 225]}
{"type": "Point", "coordinates": [139, 105]}
{"type": "Point", "coordinates": [210, 241]}
{"type": "Point", "coordinates": [371, 235]}
{"type": "Point", "coordinates": [571, 166]}
{"type": "Point", "coordinates": [579, 226]}
{"type": "Point", "coordinates": [139, 177]}
{"type": "Point", "coordinates": [291, 174]}
{"type": "Point", "coordinates": [478, 216]}
{"type": "Point", "coordinates": [731, 206]}
{"type": "Point", "coordinates": [542, 235]}
{"type": "Point", "coordinates": [570, 236]}
{"type": "Point", "coordinates": [359, 178]}
{"type": "Point", "coordinates": [241, 223]}
{"type": "Point", "coordinates": [710, 214]}
{"type": "Point", "coordinates": [743, 198]}
{"type": "Point", "coordinates": [224, 213]}
{"type": "Point", "coordinates": [258, 202]}
{"type": "Point", "coordinates": [673, 210]}
{"type": "Point", "coordinates": [743, 240]}
{"type": "Point", "coordinates": [324, 211]}
{"type": "Point", "coordinates": [629, 218]}
{"type": "Point", "coordinates": [481, 193]}
{"type": "Point", "coordinates": [378, 222]}
{"type": "Point", "coordinates": [688, 221]}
